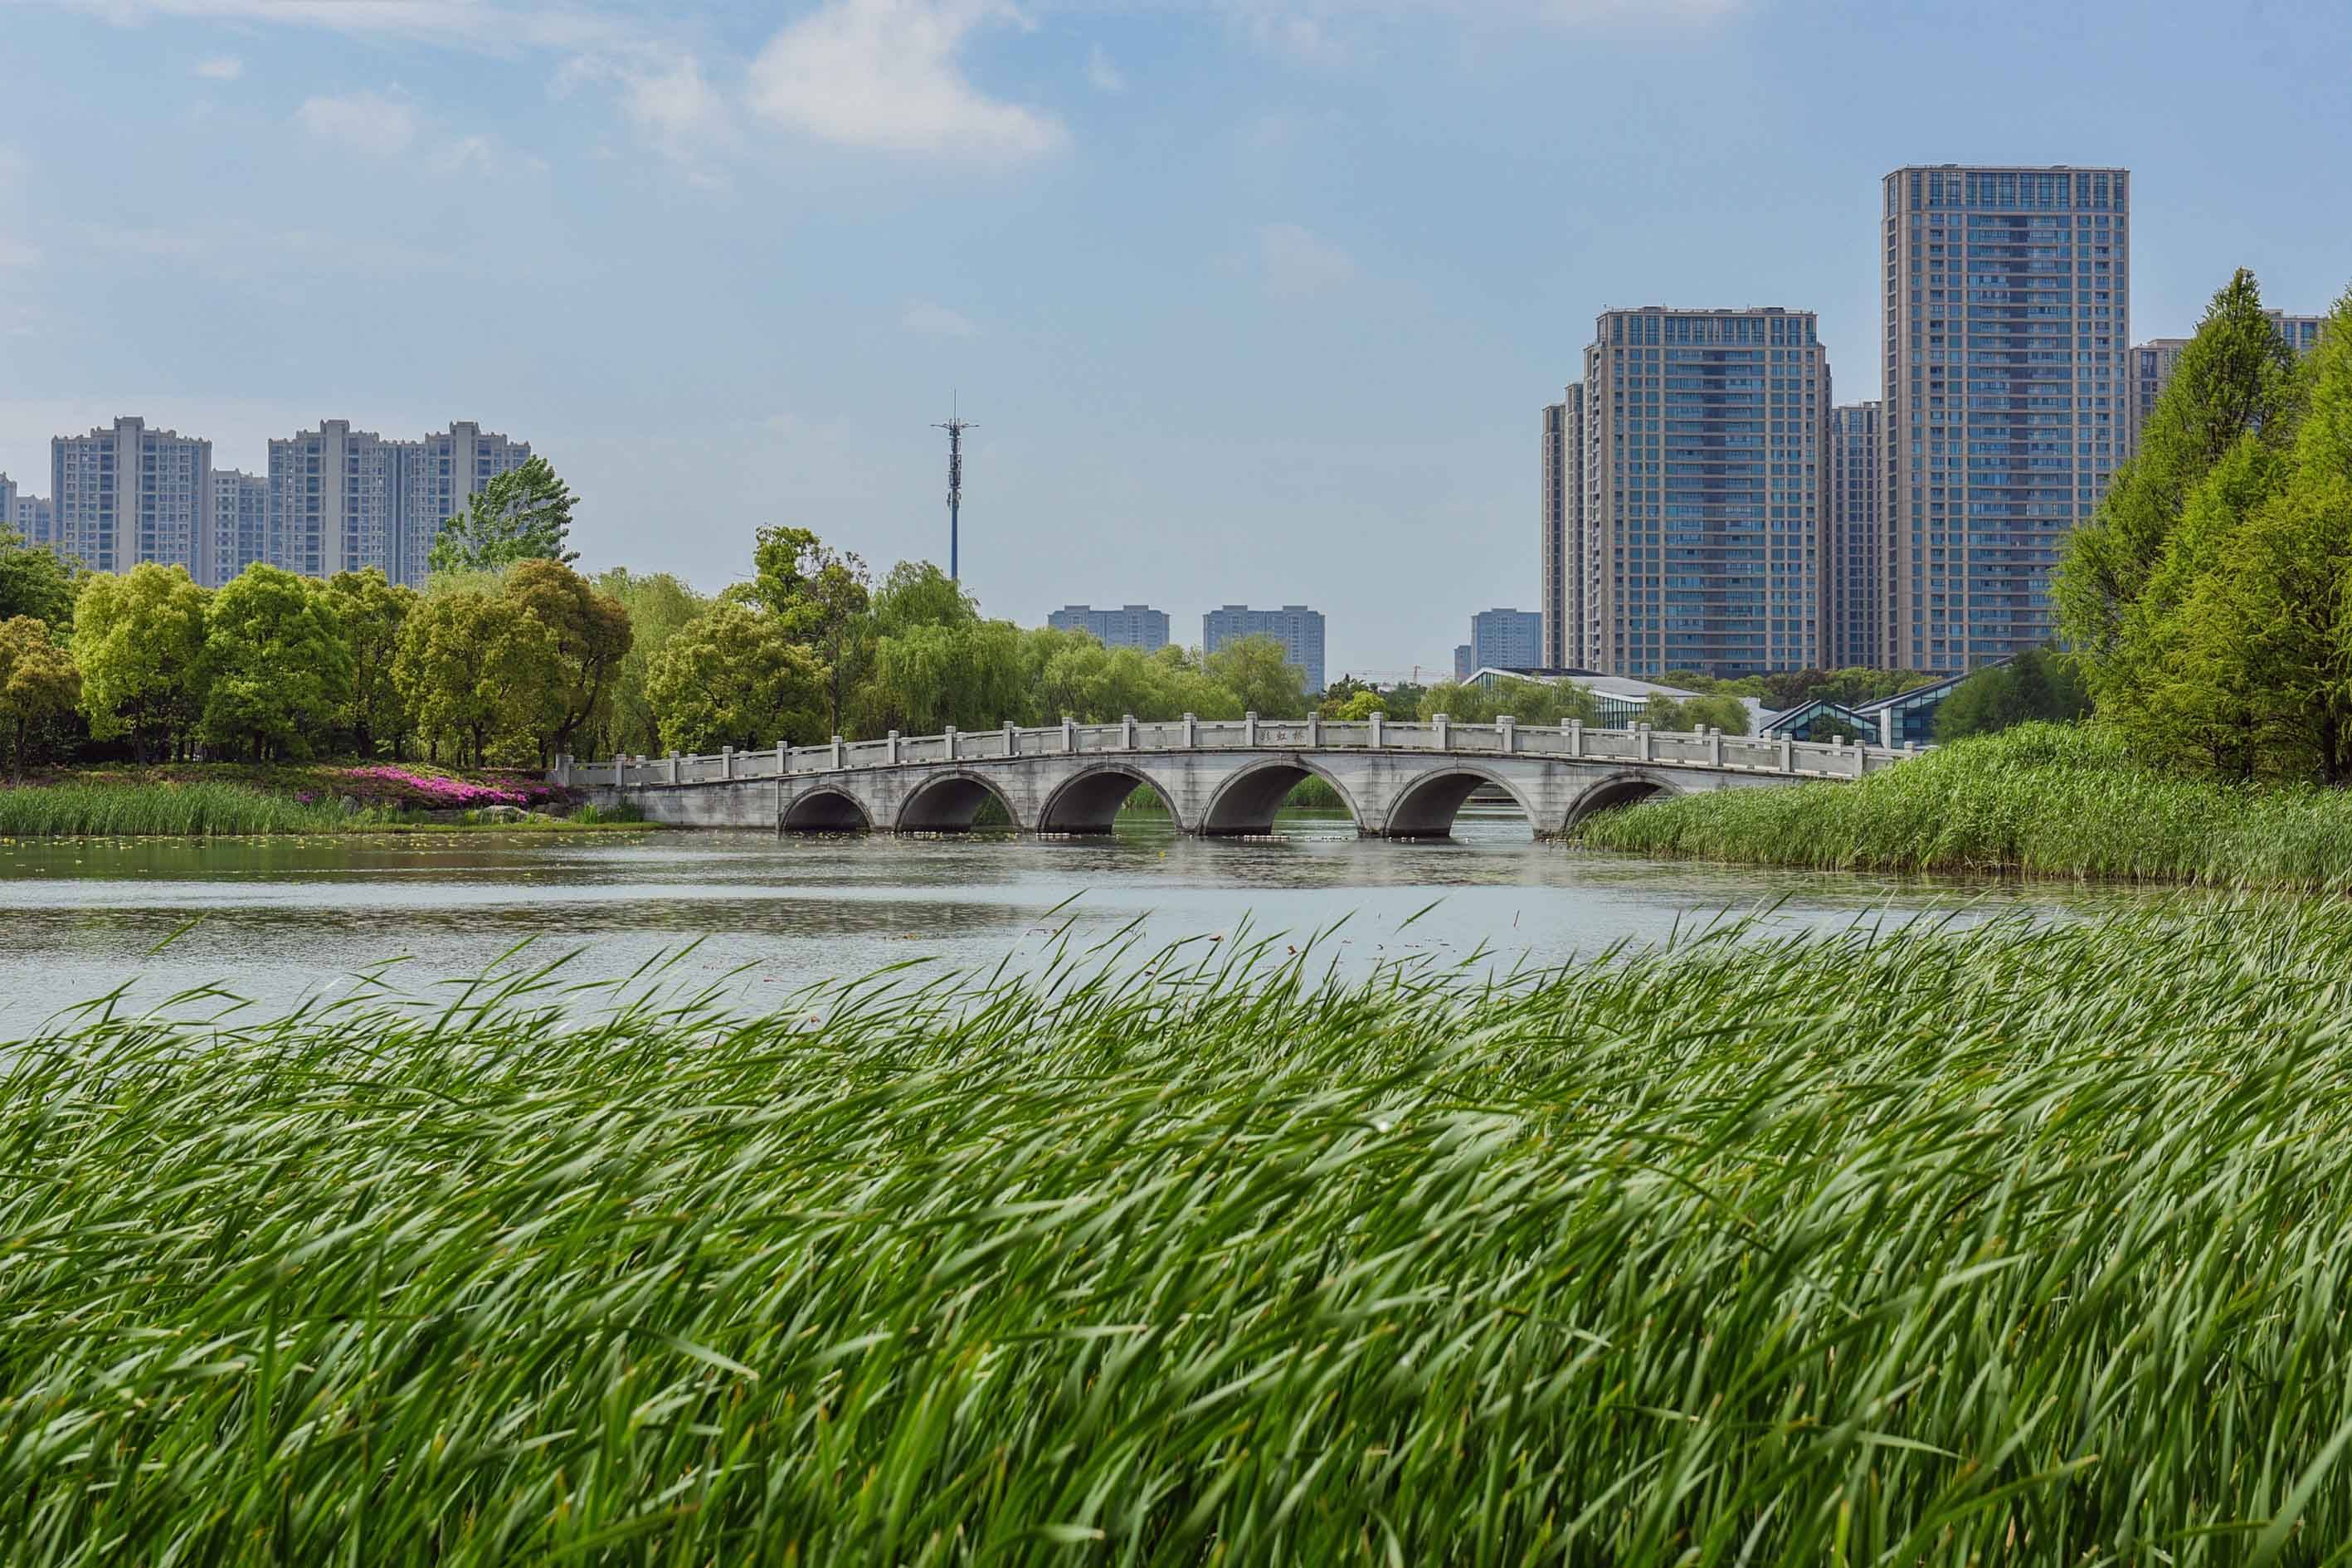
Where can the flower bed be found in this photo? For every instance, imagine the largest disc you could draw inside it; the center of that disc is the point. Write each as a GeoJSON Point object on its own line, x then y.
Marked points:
{"type": "Point", "coordinates": [383, 784]}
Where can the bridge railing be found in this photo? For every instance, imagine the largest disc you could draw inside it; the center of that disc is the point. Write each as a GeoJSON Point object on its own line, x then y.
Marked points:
{"type": "Point", "coordinates": [1505, 737]}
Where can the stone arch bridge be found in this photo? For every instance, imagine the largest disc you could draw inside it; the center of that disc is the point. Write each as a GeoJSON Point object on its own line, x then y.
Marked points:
{"type": "Point", "coordinates": [1218, 778]}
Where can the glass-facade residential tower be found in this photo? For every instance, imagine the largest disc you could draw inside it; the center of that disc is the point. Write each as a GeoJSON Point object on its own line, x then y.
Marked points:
{"type": "Point", "coordinates": [1704, 507]}
{"type": "Point", "coordinates": [1853, 586]}
{"type": "Point", "coordinates": [2007, 330]}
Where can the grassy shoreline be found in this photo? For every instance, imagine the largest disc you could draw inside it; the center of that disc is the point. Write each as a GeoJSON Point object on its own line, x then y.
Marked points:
{"type": "Point", "coordinates": [246, 802]}
{"type": "Point", "coordinates": [2001, 1246]}
{"type": "Point", "coordinates": [2042, 801]}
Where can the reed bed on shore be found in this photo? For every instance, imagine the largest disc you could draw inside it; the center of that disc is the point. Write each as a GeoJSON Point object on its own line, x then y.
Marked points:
{"type": "Point", "coordinates": [2047, 800]}
{"type": "Point", "coordinates": [197, 809]}
{"type": "Point", "coordinates": [2017, 1246]}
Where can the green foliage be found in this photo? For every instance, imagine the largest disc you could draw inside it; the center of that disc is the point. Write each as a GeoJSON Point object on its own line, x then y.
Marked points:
{"type": "Point", "coordinates": [1342, 692]}
{"type": "Point", "coordinates": [2040, 683]}
{"type": "Point", "coordinates": [589, 632]}
{"type": "Point", "coordinates": [1528, 700]}
{"type": "Point", "coordinates": [139, 641]}
{"type": "Point", "coordinates": [822, 599]}
{"type": "Point", "coordinates": [280, 668]}
{"type": "Point", "coordinates": [1073, 675]}
{"type": "Point", "coordinates": [38, 687]}
{"type": "Point", "coordinates": [1359, 705]}
{"type": "Point", "coordinates": [371, 611]}
{"type": "Point", "coordinates": [734, 676]}
{"type": "Point", "coordinates": [2048, 800]}
{"type": "Point", "coordinates": [918, 594]}
{"type": "Point", "coordinates": [2235, 379]}
{"type": "Point", "coordinates": [971, 674]}
{"type": "Point", "coordinates": [1259, 674]}
{"type": "Point", "coordinates": [476, 669]}
{"type": "Point", "coordinates": [198, 808]}
{"type": "Point", "coordinates": [1995, 1248]}
{"type": "Point", "coordinates": [522, 514]}
{"type": "Point", "coordinates": [2213, 598]}
{"type": "Point", "coordinates": [34, 582]}
{"type": "Point", "coordinates": [658, 606]}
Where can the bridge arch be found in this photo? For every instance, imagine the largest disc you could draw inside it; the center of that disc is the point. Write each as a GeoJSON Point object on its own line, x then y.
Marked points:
{"type": "Point", "coordinates": [947, 802]}
{"type": "Point", "coordinates": [1619, 789]}
{"type": "Point", "coordinates": [1089, 800]}
{"type": "Point", "coordinates": [1245, 803]}
{"type": "Point", "coordinates": [1426, 806]}
{"type": "Point", "coordinates": [825, 810]}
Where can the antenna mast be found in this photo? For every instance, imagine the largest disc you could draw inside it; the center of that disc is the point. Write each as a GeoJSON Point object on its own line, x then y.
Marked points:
{"type": "Point", "coordinates": [955, 428]}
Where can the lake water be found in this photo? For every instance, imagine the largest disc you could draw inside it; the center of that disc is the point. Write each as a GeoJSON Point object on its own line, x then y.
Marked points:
{"type": "Point", "coordinates": [275, 921]}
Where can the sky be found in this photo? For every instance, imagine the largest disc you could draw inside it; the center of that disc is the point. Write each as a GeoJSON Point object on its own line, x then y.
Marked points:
{"type": "Point", "coordinates": [1251, 301]}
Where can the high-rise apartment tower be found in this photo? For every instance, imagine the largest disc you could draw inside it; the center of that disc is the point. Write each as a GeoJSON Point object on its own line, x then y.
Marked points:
{"type": "Point", "coordinates": [1854, 572]}
{"type": "Point", "coordinates": [2006, 328]}
{"type": "Point", "coordinates": [1705, 512]}
{"type": "Point", "coordinates": [131, 494]}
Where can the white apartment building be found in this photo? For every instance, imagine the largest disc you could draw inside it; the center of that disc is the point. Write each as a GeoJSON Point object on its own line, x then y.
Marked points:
{"type": "Point", "coordinates": [130, 494]}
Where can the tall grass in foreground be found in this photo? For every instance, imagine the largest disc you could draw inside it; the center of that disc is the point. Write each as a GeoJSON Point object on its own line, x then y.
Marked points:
{"type": "Point", "coordinates": [2016, 1247]}
{"type": "Point", "coordinates": [2043, 799]}
{"type": "Point", "coordinates": [199, 808]}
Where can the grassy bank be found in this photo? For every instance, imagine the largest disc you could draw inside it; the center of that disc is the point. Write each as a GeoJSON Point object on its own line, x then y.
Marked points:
{"type": "Point", "coordinates": [2020, 1246]}
{"type": "Point", "coordinates": [235, 801]}
{"type": "Point", "coordinates": [2041, 800]}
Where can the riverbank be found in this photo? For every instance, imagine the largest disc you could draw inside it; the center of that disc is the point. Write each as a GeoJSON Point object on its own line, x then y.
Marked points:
{"type": "Point", "coordinates": [242, 800]}
{"type": "Point", "coordinates": [1998, 1246]}
{"type": "Point", "coordinates": [2041, 800]}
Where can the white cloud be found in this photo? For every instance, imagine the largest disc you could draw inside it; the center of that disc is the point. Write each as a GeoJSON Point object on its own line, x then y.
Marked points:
{"type": "Point", "coordinates": [220, 67]}
{"type": "Point", "coordinates": [883, 74]}
{"type": "Point", "coordinates": [366, 122]}
{"type": "Point", "coordinates": [937, 321]}
{"type": "Point", "coordinates": [1102, 74]}
{"type": "Point", "coordinates": [1295, 262]}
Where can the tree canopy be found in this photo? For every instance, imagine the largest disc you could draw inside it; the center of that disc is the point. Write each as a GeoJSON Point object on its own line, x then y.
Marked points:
{"type": "Point", "coordinates": [522, 514]}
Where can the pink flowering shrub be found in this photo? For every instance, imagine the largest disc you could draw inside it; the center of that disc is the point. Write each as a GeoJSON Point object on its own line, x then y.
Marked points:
{"type": "Point", "coordinates": [434, 793]}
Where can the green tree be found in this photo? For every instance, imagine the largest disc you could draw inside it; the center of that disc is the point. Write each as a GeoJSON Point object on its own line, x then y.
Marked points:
{"type": "Point", "coordinates": [280, 669]}
{"type": "Point", "coordinates": [372, 611]}
{"type": "Point", "coordinates": [591, 636]}
{"type": "Point", "coordinates": [973, 676]}
{"type": "Point", "coordinates": [1528, 700]}
{"type": "Point", "coordinates": [823, 599]}
{"type": "Point", "coordinates": [2040, 683]}
{"type": "Point", "coordinates": [2236, 378]}
{"type": "Point", "coordinates": [1716, 710]}
{"type": "Point", "coordinates": [139, 641]}
{"type": "Point", "coordinates": [659, 606]}
{"type": "Point", "coordinates": [1360, 704]}
{"type": "Point", "coordinates": [34, 582]}
{"type": "Point", "coordinates": [522, 514]}
{"type": "Point", "coordinates": [1260, 675]}
{"type": "Point", "coordinates": [918, 594]}
{"type": "Point", "coordinates": [476, 670]}
{"type": "Point", "coordinates": [734, 676]}
{"type": "Point", "coordinates": [38, 687]}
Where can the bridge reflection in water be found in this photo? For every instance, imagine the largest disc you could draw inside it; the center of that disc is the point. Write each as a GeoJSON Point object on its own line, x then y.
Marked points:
{"type": "Point", "coordinates": [1217, 777]}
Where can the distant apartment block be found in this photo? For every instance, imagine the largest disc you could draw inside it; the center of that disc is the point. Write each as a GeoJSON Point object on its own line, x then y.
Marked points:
{"type": "Point", "coordinates": [1566, 589]}
{"type": "Point", "coordinates": [1507, 639]}
{"type": "Point", "coordinates": [435, 478]}
{"type": "Point", "coordinates": [1704, 512]}
{"type": "Point", "coordinates": [342, 499]}
{"type": "Point", "coordinates": [1465, 663]}
{"type": "Point", "coordinates": [240, 522]}
{"type": "Point", "coordinates": [1138, 627]}
{"type": "Point", "coordinates": [2154, 361]}
{"type": "Point", "coordinates": [131, 494]}
{"type": "Point", "coordinates": [1853, 585]}
{"type": "Point", "coordinates": [35, 518]}
{"type": "Point", "coordinates": [2006, 320]}
{"type": "Point", "coordinates": [1298, 629]}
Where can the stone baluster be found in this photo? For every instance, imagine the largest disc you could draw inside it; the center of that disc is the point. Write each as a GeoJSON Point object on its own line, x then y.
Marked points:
{"type": "Point", "coordinates": [1788, 754]}
{"type": "Point", "coordinates": [893, 752]}
{"type": "Point", "coordinates": [1191, 731]}
{"type": "Point", "coordinates": [726, 762]}
{"type": "Point", "coordinates": [1127, 733]}
{"type": "Point", "coordinates": [1377, 720]}
{"type": "Point", "coordinates": [949, 739]}
{"type": "Point", "coordinates": [1507, 728]}
{"type": "Point", "coordinates": [673, 767]}
{"type": "Point", "coordinates": [836, 754]}
{"type": "Point", "coordinates": [1714, 746]}
{"type": "Point", "coordinates": [1249, 728]}
{"type": "Point", "coordinates": [1011, 738]}
{"type": "Point", "coordinates": [1575, 728]}
{"type": "Point", "coordinates": [1641, 739]}
{"type": "Point", "coordinates": [1445, 736]}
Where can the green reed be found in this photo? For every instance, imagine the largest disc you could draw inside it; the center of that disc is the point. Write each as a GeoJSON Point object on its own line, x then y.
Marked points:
{"type": "Point", "coordinates": [2041, 799]}
{"type": "Point", "coordinates": [196, 808]}
{"type": "Point", "coordinates": [2018, 1245]}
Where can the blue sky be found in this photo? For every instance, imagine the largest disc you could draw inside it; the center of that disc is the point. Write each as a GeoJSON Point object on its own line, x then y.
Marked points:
{"type": "Point", "coordinates": [1253, 299]}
